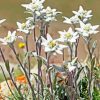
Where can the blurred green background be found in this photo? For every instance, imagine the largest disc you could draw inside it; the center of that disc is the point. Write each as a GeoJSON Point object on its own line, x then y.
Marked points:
{"type": "Point", "coordinates": [12, 10]}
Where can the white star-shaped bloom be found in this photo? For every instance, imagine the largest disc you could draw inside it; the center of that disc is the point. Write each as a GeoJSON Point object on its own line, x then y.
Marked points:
{"type": "Point", "coordinates": [87, 29]}
{"type": "Point", "coordinates": [10, 38]}
{"type": "Point", "coordinates": [25, 27]}
{"type": "Point", "coordinates": [51, 45]}
{"type": "Point", "coordinates": [68, 36]}
{"type": "Point", "coordinates": [84, 15]}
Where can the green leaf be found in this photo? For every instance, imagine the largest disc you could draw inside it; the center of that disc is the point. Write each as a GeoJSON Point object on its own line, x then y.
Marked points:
{"type": "Point", "coordinates": [40, 79]}
{"type": "Point", "coordinates": [79, 75]}
{"type": "Point", "coordinates": [93, 62]}
{"type": "Point", "coordinates": [39, 62]}
{"type": "Point", "coordinates": [7, 65]}
{"type": "Point", "coordinates": [74, 61]}
{"type": "Point", "coordinates": [94, 45]}
{"type": "Point", "coordinates": [43, 60]}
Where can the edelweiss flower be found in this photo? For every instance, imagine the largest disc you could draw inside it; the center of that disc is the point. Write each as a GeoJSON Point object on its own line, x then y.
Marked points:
{"type": "Point", "coordinates": [83, 15]}
{"type": "Point", "coordinates": [72, 20]}
{"type": "Point", "coordinates": [25, 27]}
{"type": "Point", "coordinates": [68, 36]}
{"type": "Point", "coordinates": [49, 14]}
{"type": "Point", "coordinates": [52, 45]}
{"type": "Point", "coordinates": [87, 29]}
{"type": "Point", "coordinates": [1, 21]}
{"type": "Point", "coordinates": [9, 39]}
{"type": "Point", "coordinates": [36, 5]}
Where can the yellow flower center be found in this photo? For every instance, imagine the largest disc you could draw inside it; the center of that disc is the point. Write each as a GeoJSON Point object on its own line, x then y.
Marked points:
{"type": "Point", "coordinates": [52, 44]}
{"type": "Point", "coordinates": [87, 28]}
{"type": "Point", "coordinates": [68, 35]}
{"type": "Point", "coordinates": [34, 6]}
{"type": "Point", "coordinates": [23, 25]}
{"type": "Point", "coordinates": [7, 37]}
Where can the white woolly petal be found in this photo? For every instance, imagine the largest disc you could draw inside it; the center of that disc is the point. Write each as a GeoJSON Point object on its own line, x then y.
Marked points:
{"type": "Point", "coordinates": [95, 27]}
{"type": "Point", "coordinates": [49, 38]}
{"type": "Point", "coordinates": [81, 9]}
{"type": "Point", "coordinates": [82, 24]}
{"type": "Point", "coordinates": [89, 12]}
{"type": "Point", "coordinates": [67, 20]}
{"type": "Point", "coordinates": [76, 13]}
{"type": "Point", "coordinates": [43, 40]}
{"type": "Point", "coordinates": [1, 21]}
{"type": "Point", "coordinates": [47, 49]}
{"type": "Point", "coordinates": [78, 29]}
{"type": "Point", "coordinates": [70, 30]}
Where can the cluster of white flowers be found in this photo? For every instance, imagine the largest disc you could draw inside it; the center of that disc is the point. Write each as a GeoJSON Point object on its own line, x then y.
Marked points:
{"type": "Point", "coordinates": [80, 15]}
{"type": "Point", "coordinates": [82, 18]}
{"type": "Point", "coordinates": [49, 14]}
{"type": "Point", "coordinates": [38, 11]}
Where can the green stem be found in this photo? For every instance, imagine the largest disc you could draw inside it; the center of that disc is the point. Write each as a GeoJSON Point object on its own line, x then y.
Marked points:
{"type": "Point", "coordinates": [27, 50]}
{"type": "Point", "coordinates": [49, 75]}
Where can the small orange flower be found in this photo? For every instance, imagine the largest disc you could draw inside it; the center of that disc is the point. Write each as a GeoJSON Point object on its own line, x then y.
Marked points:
{"type": "Point", "coordinates": [59, 75]}
{"type": "Point", "coordinates": [21, 79]}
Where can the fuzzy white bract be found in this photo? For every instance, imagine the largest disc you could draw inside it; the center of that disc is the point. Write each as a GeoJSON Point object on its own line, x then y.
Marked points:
{"type": "Point", "coordinates": [87, 29]}
{"type": "Point", "coordinates": [68, 36]}
{"type": "Point", "coordinates": [51, 45]}
{"type": "Point", "coordinates": [1, 21]}
{"type": "Point", "coordinates": [72, 20]}
{"type": "Point", "coordinates": [82, 14]}
{"type": "Point", "coordinates": [9, 39]}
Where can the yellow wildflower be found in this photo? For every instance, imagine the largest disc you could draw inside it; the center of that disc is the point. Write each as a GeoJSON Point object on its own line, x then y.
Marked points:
{"type": "Point", "coordinates": [21, 45]}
